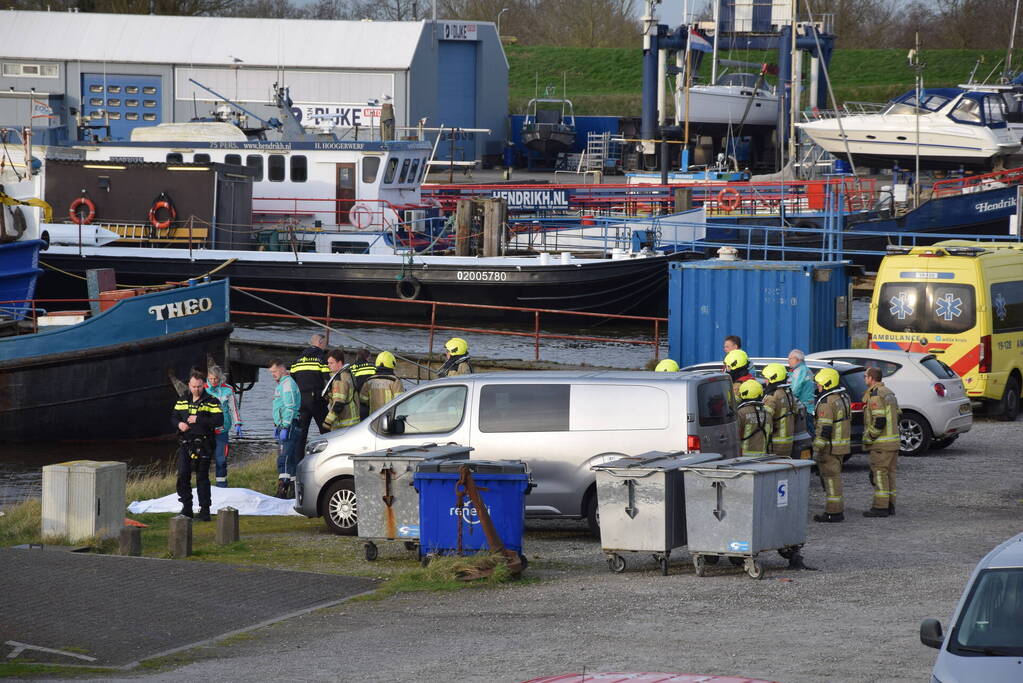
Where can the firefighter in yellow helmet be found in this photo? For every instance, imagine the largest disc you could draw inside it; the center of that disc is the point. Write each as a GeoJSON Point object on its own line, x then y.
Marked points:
{"type": "Point", "coordinates": [881, 437]}
{"type": "Point", "coordinates": [738, 367]}
{"type": "Point", "coordinates": [833, 423]}
{"type": "Point", "coordinates": [382, 386]}
{"type": "Point", "coordinates": [456, 358]}
{"type": "Point", "coordinates": [342, 398]}
{"type": "Point", "coordinates": [754, 422]}
{"type": "Point", "coordinates": [781, 407]}
{"type": "Point", "coordinates": [667, 365]}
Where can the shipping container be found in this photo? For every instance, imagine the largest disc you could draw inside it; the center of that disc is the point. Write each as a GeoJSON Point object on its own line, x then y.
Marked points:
{"type": "Point", "coordinates": [774, 306]}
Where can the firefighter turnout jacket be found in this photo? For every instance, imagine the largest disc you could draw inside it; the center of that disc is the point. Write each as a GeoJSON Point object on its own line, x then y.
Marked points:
{"type": "Point", "coordinates": [380, 389]}
{"type": "Point", "coordinates": [832, 423]}
{"type": "Point", "coordinates": [781, 407]}
{"type": "Point", "coordinates": [880, 419]}
{"type": "Point", "coordinates": [456, 365]}
{"type": "Point", "coordinates": [343, 404]}
{"type": "Point", "coordinates": [754, 427]}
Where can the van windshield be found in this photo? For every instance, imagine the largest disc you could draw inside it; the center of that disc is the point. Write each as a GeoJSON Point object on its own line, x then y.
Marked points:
{"type": "Point", "coordinates": [926, 307]}
{"type": "Point", "coordinates": [989, 624]}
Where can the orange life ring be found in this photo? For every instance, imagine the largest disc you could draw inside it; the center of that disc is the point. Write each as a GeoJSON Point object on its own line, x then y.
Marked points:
{"type": "Point", "coordinates": [361, 216]}
{"type": "Point", "coordinates": [171, 214]}
{"type": "Point", "coordinates": [77, 217]}
{"type": "Point", "coordinates": [729, 199]}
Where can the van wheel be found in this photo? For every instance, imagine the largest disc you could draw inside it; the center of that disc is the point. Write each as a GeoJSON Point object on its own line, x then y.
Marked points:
{"type": "Point", "coordinates": [915, 434]}
{"type": "Point", "coordinates": [1008, 407]}
{"type": "Point", "coordinates": [592, 514]}
{"type": "Point", "coordinates": [938, 444]}
{"type": "Point", "coordinates": [340, 510]}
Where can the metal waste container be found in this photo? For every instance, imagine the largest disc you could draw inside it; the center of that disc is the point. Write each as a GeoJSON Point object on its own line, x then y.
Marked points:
{"type": "Point", "coordinates": [388, 502]}
{"type": "Point", "coordinates": [740, 507]}
{"type": "Point", "coordinates": [447, 528]}
{"type": "Point", "coordinates": [641, 502]}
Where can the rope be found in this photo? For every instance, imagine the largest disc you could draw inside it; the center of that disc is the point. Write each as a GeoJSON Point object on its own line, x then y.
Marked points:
{"type": "Point", "coordinates": [82, 277]}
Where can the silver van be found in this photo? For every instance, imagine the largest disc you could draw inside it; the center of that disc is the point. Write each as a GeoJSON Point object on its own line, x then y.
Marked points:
{"type": "Point", "coordinates": [559, 423]}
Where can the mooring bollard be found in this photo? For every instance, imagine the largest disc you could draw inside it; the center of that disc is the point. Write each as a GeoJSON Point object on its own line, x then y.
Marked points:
{"type": "Point", "coordinates": [227, 525]}
{"type": "Point", "coordinates": [131, 541]}
{"type": "Point", "coordinates": [179, 536]}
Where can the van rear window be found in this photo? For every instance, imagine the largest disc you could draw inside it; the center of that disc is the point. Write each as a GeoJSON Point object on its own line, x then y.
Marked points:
{"type": "Point", "coordinates": [926, 307]}
{"type": "Point", "coordinates": [715, 403]}
{"type": "Point", "coordinates": [1007, 306]}
{"type": "Point", "coordinates": [524, 407]}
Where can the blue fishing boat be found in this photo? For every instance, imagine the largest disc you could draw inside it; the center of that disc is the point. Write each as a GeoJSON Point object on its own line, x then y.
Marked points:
{"type": "Point", "coordinates": [106, 377]}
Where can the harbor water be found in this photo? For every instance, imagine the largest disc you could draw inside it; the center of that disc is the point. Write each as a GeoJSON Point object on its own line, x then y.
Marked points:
{"type": "Point", "coordinates": [21, 463]}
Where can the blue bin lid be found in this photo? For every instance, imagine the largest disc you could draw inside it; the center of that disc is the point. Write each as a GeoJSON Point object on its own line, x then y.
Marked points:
{"type": "Point", "coordinates": [475, 466]}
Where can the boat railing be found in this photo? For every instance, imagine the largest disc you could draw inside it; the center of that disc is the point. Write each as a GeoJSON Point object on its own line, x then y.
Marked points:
{"type": "Point", "coordinates": [976, 183]}
{"type": "Point", "coordinates": [332, 313]}
{"type": "Point", "coordinates": [29, 311]}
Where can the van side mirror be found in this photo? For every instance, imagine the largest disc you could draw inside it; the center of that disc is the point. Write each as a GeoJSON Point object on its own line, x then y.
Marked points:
{"type": "Point", "coordinates": [930, 633]}
{"type": "Point", "coordinates": [392, 424]}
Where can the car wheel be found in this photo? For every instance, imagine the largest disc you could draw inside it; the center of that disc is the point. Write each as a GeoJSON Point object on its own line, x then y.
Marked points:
{"type": "Point", "coordinates": [915, 435]}
{"type": "Point", "coordinates": [938, 444]}
{"type": "Point", "coordinates": [593, 514]}
{"type": "Point", "coordinates": [1009, 405]}
{"type": "Point", "coordinates": [340, 510]}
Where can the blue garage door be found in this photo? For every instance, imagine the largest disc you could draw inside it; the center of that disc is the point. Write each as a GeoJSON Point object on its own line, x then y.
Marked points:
{"type": "Point", "coordinates": [456, 98]}
{"type": "Point", "coordinates": [128, 101]}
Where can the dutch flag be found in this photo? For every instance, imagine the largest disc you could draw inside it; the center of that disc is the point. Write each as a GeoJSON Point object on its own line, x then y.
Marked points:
{"type": "Point", "coordinates": [698, 42]}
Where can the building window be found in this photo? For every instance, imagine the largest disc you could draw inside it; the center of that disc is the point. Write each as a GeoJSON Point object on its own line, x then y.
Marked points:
{"type": "Point", "coordinates": [299, 169]}
{"type": "Point", "coordinates": [96, 101]}
{"type": "Point", "coordinates": [370, 168]}
{"type": "Point", "coordinates": [201, 158]}
{"type": "Point", "coordinates": [31, 70]}
{"type": "Point", "coordinates": [149, 117]}
{"type": "Point", "coordinates": [114, 89]}
{"type": "Point", "coordinates": [149, 104]}
{"type": "Point", "coordinates": [148, 90]}
{"type": "Point", "coordinates": [175, 158]}
{"type": "Point", "coordinates": [114, 115]}
{"type": "Point", "coordinates": [95, 88]}
{"type": "Point", "coordinates": [131, 90]}
{"type": "Point", "coordinates": [113, 102]}
{"type": "Point", "coordinates": [235, 159]}
{"type": "Point", "coordinates": [255, 162]}
{"type": "Point", "coordinates": [131, 103]}
{"type": "Point", "coordinates": [275, 168]}
{"type": "Point", "coordinates": [132, 116]}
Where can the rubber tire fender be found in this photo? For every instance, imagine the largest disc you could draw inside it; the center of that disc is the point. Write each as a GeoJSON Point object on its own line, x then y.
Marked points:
{"type": "Point", "coordinates": [402, 288]}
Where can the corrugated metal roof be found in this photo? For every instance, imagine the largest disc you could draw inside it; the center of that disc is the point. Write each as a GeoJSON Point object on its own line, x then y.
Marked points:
{"type": "Point", "coordinates": [162, 39]}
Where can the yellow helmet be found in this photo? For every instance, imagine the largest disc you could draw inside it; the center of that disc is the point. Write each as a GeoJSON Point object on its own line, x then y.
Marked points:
{"type": "Point", "coordinates": [736, 359]}
{"type": "Point", "coordinates": [775, 373]}
{"type": "Point", "coordinates": [385, 359]}
{"type": "Point", "coordinates": [667, 365]}
{"type": "Point", "coordinates": [457, 346]}
{"type": "Point", "coordinates": [827, 378]}
{"type": "Point", "coordinates": [750, 389]}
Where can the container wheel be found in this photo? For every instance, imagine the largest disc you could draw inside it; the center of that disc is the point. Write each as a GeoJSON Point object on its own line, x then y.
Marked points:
{"type": "Point", "coordinates": [754, 568]}
{"type": "Point", "coordinates": [616, 563]}
{"type": "Point", "coordinates": [371, 551]}
{"type": "Point", "coordinates": [711, 559]}
{"type": "Point", "coordinates": [663, 562]}
{"type": "Point", "coordinates": [700, 564]}
{"type": "Point", "coordinates": [736, 561]}
{"type": "Point", "coordinates": [411, 545]}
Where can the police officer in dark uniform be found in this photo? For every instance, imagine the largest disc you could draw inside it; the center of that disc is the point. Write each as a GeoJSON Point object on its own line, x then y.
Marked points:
{"type": "Point", "coordinates": [196, 417]}
{"type": "Point", "coordinates": [311, 374]}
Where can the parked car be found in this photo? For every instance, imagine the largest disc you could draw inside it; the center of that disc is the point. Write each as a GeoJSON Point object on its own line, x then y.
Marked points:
{"type": "Point", "coordinates": [932, 399]}
{"type": "Point", "coordinates": [851, 377]}
{"type": "Point", "coordinates": [558, 423]}
{"type": "Point", "coordinates": [985, 642]}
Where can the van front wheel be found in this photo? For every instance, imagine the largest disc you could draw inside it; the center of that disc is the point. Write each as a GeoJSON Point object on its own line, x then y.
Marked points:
{"type": "Point", "coordinates": [340, 511]}
{"type": "Point", "coordinates": [1009, 407]}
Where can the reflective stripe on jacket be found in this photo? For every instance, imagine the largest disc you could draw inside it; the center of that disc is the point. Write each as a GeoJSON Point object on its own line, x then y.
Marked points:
{"type": "Point", "coordinates": [781, 408]}
{"type": "Point", "coordinates": [208, 415]}
{"type": "Point", "coordinates": [343, 407]}
{"type": "Point", "coordinates": [310, 371]}
{"type": "Point", "coordinates": [879, 402]}
{"type": "Point", "coordinates": [287, 399]}
{"type": "Point", "coordinates": [834, 411]}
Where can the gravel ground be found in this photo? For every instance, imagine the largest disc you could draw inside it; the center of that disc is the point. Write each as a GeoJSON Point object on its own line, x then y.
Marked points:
{"type": "Point", "coordinates": [857, 619]}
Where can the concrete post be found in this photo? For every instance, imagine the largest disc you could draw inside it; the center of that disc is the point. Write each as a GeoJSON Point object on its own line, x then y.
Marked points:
{"type": "Point", "coordinates": [463, 226]}
{"type": "Point", "coordinates": [179, 536]}
{"type": "Point", "coordinates": [227, 525]}
{"type": "Point", "coordinates": [131, 541]}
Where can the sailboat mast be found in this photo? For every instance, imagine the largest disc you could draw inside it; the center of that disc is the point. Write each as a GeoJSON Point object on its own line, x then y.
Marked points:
{"type": "Point", "coordinates": [717, 30]}
{"type": "Point", "coordinates": [1012, 43]}
{"type": "Point", "coordinates": [918, 67]}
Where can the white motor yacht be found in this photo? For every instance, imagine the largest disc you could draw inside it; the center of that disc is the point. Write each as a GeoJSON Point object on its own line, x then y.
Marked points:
{"type": "Point", "coordinates": [957, 128]}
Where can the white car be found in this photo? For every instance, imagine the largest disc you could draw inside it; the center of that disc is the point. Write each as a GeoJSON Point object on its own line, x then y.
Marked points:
{"type": "Point", "coordinates": [934, 405]}
{"type": "Point", "coordinates": [985, 641]}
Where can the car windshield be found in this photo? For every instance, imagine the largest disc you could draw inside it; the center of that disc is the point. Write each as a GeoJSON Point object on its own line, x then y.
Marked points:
{"type": "Point", "coordinates": [926, 307]}
{"type": "Point", "coordinates": [990, 623]}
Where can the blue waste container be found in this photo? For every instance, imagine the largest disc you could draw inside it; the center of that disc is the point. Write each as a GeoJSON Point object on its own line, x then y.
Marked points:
{"type": "Point", "coordinates": [503, 487]}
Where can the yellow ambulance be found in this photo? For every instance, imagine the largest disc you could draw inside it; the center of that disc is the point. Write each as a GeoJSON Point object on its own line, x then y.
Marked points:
{"type": "Point", "coordinates": [963, 302]}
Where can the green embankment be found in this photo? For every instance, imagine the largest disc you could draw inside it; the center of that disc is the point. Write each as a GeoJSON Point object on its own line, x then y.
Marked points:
{"type": "Point", "coordinates": [608, 81]}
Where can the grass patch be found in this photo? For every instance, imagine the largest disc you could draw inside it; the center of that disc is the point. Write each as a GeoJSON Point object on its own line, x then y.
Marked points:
{"type": "Point", "coordinates": [608, 81]}
{"type": "Point", "coordinates": [9, 669]}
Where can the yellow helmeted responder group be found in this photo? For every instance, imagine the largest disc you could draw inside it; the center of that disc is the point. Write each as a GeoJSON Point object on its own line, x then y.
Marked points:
{"type": "Point", "coordinates": [766, 416]}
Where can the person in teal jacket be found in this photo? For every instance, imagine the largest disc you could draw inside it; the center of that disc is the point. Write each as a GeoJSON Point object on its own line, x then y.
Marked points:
{"type": "Point", "coordinates": [287, 400]}
{"type": "Point", "coordinates": [218, 388]}
{"type": "Point", "coordinates": [802, 385]}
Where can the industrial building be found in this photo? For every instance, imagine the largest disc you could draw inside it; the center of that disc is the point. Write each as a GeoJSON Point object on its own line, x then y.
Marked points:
{"type": "Point", "coordinates": [67, 71]}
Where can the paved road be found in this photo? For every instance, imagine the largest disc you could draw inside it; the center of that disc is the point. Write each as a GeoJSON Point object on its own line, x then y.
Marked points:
{"type": "Point", "coordinates": [857, 619]}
